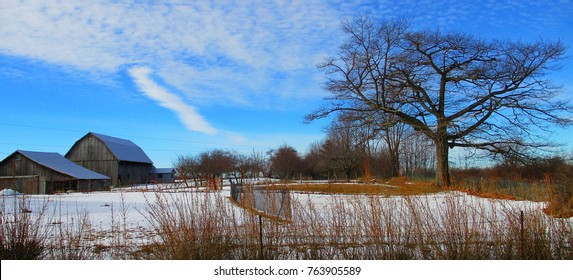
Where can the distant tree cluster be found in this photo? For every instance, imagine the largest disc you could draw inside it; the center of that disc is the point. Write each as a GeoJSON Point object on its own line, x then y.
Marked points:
{"type": "Point", "coordinates": [210, 167]}
{"type": "Point", "coordinates": [347, 152]}
{"type": "Point", "coordinates": [354, 150]}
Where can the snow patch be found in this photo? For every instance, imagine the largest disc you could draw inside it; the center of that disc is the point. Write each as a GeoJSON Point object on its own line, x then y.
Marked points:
{"type": "Point", "coordinates": [9, 192]}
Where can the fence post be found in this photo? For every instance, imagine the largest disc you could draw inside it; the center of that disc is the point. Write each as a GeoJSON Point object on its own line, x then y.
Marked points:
{"type": "Point", "coordinates": [261, 236]}
{"type": "Point", "coordinates": [522, 237]}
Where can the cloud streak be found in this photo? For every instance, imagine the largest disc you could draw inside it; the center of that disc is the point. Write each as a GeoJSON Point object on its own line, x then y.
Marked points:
{"type": "Point", "coordinates": [251, 41]}
{"type": "Point", "coordinates": [186, 113]}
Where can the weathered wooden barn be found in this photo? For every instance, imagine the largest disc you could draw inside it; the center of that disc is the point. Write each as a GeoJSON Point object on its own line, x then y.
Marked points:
{"type": "Point", "coordinates": [122, 160]}
{"type": "Point", "coordinates": [45, 173]}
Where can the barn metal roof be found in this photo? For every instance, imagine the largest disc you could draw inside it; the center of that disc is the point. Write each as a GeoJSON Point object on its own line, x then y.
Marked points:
{"type": "Point", "coordinates": [123, 150]}
{"type": "Point", "coordinates": [63, 165]}
{"type": "Point", "coordinates": [163, 170]}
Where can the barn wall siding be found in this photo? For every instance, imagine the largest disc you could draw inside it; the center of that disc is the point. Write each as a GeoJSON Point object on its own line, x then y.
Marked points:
{"type": "Point", "coordinates": [93, 154]}
{"type": "Point", "coordinates": [90, 148]}
{"type": "Point", "coordinates": [162, 178]}
{"type": "Point", "coordinates": [133, 172]}
{"type": "Point", "coordinates": [24, 184]}
{"type": "Point", "coordinates": [93, 185]}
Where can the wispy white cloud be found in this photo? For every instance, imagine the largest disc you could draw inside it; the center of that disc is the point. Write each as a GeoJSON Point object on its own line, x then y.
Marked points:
{"type": "Point", "coordinates": [231, 48]}
{"type": "Point", "coordinates": [186, 113]}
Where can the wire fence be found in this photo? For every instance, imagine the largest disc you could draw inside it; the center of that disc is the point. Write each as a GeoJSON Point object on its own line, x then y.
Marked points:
{"type": "Point", "coordinates": [270, 202]}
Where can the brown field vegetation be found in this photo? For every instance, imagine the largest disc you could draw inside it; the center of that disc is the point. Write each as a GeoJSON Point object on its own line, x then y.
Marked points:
{"type": "Point", "coordinates": [196, 225]}
{"type": "Point", "coordinates": [394, 186]}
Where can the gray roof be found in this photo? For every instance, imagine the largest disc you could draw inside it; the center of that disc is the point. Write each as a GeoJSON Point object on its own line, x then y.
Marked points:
{"type": "Point", "coordinates": [63, 165]}
{"type": "Point", "coordinates": [123, 150]}
{"type": "Point", "coordinates": [163, 170]}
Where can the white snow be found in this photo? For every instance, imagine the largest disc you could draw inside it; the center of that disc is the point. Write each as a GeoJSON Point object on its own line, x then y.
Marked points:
{"type": "Point", "coordinates": [9, 192]}
{"type": "Point", "coordinates": [102, 208]}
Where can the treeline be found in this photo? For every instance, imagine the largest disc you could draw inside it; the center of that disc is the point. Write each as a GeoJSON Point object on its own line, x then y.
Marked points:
{"type": "Point", "coordinates": [350, 150]}
{"type": "Point", "coordinates": [555, 168]}
{"type": "Point", "coordinates": [356, 150]}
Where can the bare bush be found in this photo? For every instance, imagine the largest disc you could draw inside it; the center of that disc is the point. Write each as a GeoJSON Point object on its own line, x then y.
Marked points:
{"type": "Point", "coordinates": [22, 233]}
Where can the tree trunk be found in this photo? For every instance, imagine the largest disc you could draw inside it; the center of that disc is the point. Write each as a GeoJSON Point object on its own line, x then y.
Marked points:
{"type": "Point", "coordinates": [395, 163]}
{"type": "Point", "coordinates": [442, 162]}
{"type": "Point", "coordinates": [393, 137]}
{"type": "Point", "coordinates": [442, 156]}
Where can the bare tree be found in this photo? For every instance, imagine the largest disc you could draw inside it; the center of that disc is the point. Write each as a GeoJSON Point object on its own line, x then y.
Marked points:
{"type": "Point", "coordinates": [381, 126]}
{"type": "Point", "coordinates": [187, 167]}
{"type": "Point", "coordinates": [285, 162]}
{"type": "Point", "coordinates": [417, 154]}
{"type": "Point", "coordinates": [456, 89]}
{"type": "Point", "coordinates": [345, 147]}
{"type": "Point", "coordinates": [250, 166]}
{"type": "Point", "coordinates": [393, 135]}
{"type": "Point", "coordinates": [315, 161]}
{"type": "Point", "coordinates": [213, 164]}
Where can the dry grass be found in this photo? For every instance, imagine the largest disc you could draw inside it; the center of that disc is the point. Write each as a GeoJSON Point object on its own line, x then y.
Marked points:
{"type": "Point", "coordinates": [558, 195]}
{"type": "Point", "coordinates": [394, 187]}
{"type": "Point", "coordinates": [193, 226]}
{"type": "Point", "coordinates": [22, 234]}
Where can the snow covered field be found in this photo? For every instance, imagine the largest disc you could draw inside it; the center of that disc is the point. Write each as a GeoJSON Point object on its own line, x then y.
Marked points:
{"type": "Point", "coordinates": [127, 214]}
{"type": "Point", "coordinates": [103, 207]}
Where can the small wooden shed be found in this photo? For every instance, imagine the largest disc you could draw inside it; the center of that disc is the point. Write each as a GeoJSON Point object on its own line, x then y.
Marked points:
{"type": "Point", "coordinates": [163, 175]}
{"type": "Point", "coordinates": [120, 159]}
{"type": "Point", "coordinates": [44, 173]}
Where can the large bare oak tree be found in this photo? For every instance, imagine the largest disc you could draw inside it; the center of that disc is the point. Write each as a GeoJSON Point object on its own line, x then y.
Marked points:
{"type": "Point", "coordinates": [458, 90]}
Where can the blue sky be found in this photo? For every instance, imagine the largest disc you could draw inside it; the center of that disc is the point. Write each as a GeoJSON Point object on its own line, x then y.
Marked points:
{"type": "Point", "coordinates": [180, 77]}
